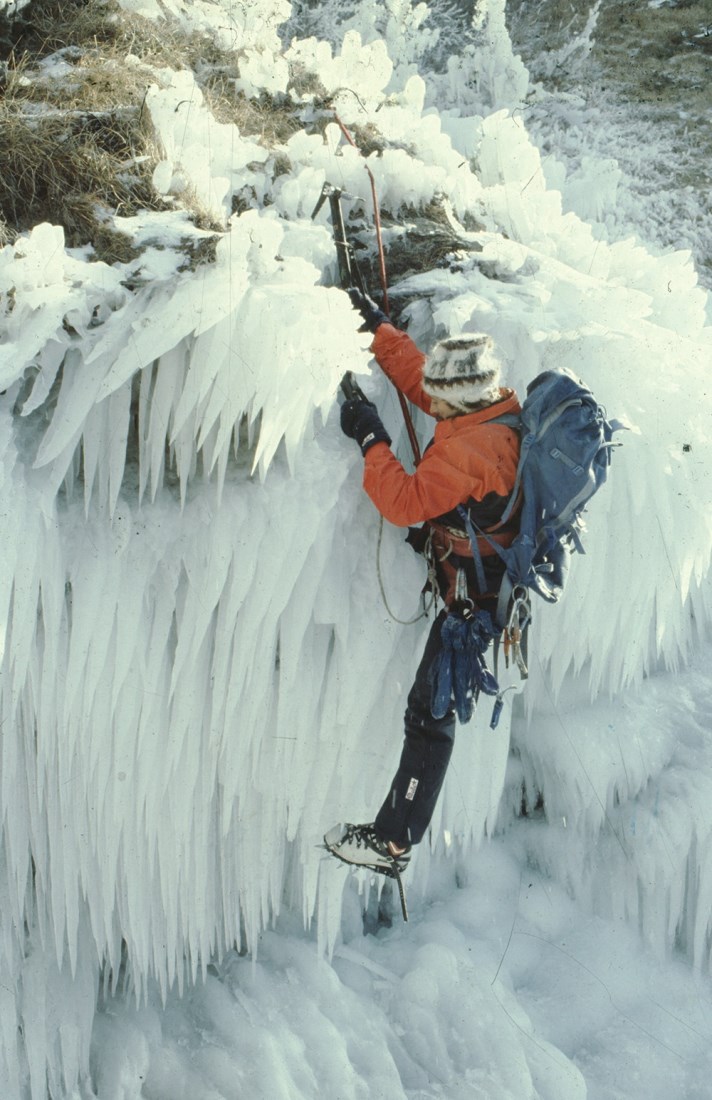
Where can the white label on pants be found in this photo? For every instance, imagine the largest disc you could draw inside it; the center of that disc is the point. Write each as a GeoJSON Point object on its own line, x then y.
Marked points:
{"type": "Point", "coordinates": [412, 788]}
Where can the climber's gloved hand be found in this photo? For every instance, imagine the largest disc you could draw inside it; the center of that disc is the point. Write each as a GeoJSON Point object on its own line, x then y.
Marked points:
{"type": "Point", "coordinates": [372, 315]}
{"type": "Point", "coordinates": [360, 421]}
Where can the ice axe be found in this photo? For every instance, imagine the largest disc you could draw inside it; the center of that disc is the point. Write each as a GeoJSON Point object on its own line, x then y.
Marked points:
{"type": "Point", "coordinates": [350, 275]}
{"type": "Point", "coordinates": [351, 389]}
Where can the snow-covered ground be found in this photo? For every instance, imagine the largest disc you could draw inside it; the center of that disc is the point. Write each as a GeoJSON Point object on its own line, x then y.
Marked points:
{"type": "Point", "coordinates": [500, 986]}
{"type": "Point", "coordinates": [199, 675]}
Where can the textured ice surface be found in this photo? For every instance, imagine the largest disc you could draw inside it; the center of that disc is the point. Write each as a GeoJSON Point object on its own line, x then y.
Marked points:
{"type": "Point", "coordinates": [198, 671]}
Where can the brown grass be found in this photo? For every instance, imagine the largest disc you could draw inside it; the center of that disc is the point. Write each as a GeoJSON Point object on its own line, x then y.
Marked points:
{"type": "Point", "coordinates": [77, 149]}
{"type": "Point", "coordinates": [642, 54]}
{"type": "Point", "coordinates": [271, 120]}
{"type": "Point", "coordinates": [102, 26]}
{"type": "Point", "coordinates": [415, 240]}
{"type": "Point", "coordinates": [73, 168]}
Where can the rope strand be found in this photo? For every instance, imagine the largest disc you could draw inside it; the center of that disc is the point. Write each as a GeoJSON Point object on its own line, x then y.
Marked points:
{"type": "Point", "coordinates": [427, 606]}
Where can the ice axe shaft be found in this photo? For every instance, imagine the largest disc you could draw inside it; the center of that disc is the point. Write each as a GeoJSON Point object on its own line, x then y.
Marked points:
{"type": "Point", "coordinates": [379, 242]}
{"type": "Point", "coordinates": [407, 418]}
{"type": "Point", "coordinates": [350, 275]}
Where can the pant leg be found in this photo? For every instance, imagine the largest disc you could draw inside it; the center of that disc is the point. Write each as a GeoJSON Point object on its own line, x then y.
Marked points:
{"type": "Point", "coordinates": [406, 812]}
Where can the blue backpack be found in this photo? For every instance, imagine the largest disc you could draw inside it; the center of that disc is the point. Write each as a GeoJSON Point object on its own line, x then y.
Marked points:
{"type": "Point", "coordinates": [565, 454]}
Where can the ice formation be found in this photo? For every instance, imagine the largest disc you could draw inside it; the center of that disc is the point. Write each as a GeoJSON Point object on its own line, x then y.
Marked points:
{"type": "Point", "coordinates": [198, 672]}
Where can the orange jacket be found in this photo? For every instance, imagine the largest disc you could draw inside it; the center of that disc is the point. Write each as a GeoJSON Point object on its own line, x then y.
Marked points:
{"type": "Point", "coordinates": [468, 457]}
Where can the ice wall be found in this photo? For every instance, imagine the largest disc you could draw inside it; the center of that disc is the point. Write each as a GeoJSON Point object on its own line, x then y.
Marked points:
{"type": "Point", "coordinates": [198, 672]}
{"type": "Point", "coordinates": [179, 648]}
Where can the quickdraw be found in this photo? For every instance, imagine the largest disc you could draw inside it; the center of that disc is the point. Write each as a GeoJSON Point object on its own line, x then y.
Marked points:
{"type": "Point", "coordinates": [514, 632]}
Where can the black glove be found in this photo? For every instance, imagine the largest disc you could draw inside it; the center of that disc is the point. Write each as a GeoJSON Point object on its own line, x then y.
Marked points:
{"type": "Point", "coordinates": [360, 421]}
{"type": "Point", "coordinates": [372, 315]}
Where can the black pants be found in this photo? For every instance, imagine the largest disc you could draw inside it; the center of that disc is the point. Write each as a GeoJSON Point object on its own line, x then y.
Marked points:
{"type": "Point", "coordinates": [406, 813]}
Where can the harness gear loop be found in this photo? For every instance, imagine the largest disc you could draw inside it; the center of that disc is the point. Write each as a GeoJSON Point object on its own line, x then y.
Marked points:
{"type": "Point", "coordinates": [450, 547]}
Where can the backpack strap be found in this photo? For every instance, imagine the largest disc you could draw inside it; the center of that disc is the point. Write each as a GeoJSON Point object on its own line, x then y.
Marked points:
{"type": "Point", "coordinates": [476, 533]}
{"type": "Point", "coordinates": [476, 555]}
{"type": "Point", "coordinates": [513, 421]}
{"type": "Point", "coordinates": [513, 613]}
{"type": "Point", "coordinates": [527, 441]}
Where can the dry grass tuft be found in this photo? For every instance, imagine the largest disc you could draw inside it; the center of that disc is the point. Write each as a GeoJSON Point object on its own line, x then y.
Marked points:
{"type": "Point", "coordinates": [44, 27]}
{"type": "Point", "coordinates": [271, 120]}
{"type": "Point", "coordinates": [198, 253]}
{"type": "Point", "coordinates": [72, 168]}
{"type": "Point", "coordinates": [368, 139]}
{"type": "Point", "coordinates": [6, 237]}
{"type": "Point", "coordinates": [306, 85]}
{"type": "Point", "coordinates": [75, 146]}
{"type": "Point", "coordinates": [415, 240]}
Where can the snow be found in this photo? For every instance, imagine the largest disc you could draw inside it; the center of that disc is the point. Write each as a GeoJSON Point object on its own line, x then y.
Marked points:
{"type": "Point", "coordinates": [199, 672]}
{"type": "Point", "coordinates": [201, 157]}
{"type": "Point", "coordinates": [500, 988]}
{"type": "Point", "coordinates": [248, 27]}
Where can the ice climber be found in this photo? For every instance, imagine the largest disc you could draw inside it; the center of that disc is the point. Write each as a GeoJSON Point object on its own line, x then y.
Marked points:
{"type": "Point", "coordinates": [472, 462]}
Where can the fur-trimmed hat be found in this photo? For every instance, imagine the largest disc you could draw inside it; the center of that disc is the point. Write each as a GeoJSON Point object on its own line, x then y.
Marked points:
{"type": "Point", "coordinates": [463, 370]}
